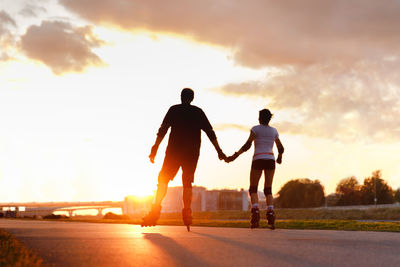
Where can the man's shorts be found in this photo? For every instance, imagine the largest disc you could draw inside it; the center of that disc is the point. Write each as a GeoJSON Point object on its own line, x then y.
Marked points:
{"type": "Point", "coordinates": [171, 166]}
{"type": "Point", "coordinates": [263, 164]}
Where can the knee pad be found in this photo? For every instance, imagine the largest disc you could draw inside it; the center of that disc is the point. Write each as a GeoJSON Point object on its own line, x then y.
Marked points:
{"type": "Point", "coordinates": [267, 191]}
{"type": "Point", "coordinates": [253, 189]}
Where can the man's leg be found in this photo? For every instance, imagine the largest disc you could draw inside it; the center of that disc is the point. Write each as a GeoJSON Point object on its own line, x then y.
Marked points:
{"type": "Point", "coordinates": [187, 202]}
{"type": "Point", "coordinates": [188, 169]}
{"type": "Point", "coordinates": [162, 188]}
{"type": "Point", "coordinates": [187, 197]}
{"type": "Point", "coordinates": [168, 171]}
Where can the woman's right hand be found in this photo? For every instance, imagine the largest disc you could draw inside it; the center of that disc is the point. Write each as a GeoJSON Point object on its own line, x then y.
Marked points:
{"type": "Point", "coordinates": [232, 158]}
{"type": "Point", "coordinates": [279, 159]}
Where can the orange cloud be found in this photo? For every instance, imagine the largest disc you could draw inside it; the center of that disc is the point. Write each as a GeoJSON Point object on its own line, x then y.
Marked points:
{"type": "Point", "coordinates": [338, 60]}
{"type": "Point", "coordinates": [345, 102]}
{"type": "Point", "coordinates": [226, 126]}
{"type": "Point", "coordinates": [5, 19]}
{"type": "Point", "coordinates": [263, 32]}
{"type": "Point", "coordinates": [61, 46]}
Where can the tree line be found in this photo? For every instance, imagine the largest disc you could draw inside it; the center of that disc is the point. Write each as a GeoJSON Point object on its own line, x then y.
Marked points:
{"type": "Point", "coordinates": [305, 193]}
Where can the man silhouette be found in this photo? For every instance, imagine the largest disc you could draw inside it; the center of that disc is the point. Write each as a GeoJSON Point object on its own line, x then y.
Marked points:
{"type": "Point", "coordinates": [186, 122]}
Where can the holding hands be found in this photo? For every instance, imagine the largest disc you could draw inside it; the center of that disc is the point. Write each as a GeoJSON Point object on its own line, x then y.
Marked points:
{"type": "Point", "coordinates": [232, 158]}
{"type": "Point", "coordinates": [221, 155]}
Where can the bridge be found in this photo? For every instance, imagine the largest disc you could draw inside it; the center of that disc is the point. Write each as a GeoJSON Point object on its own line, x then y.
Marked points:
{"type": "Point", "coordinates": [47, 208]}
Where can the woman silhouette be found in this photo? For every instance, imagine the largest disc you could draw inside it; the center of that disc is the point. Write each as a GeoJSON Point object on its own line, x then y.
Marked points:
{"type": "Point", "coordinates": [264, 137]}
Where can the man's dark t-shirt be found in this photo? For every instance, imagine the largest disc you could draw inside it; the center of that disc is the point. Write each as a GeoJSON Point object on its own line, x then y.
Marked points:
{"type": "Point", "coordinates": [186, 122]}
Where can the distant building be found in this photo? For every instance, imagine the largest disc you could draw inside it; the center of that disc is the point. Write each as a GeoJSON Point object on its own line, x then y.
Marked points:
{"type": "Point", "coordinates": [203, 200]}
{"type": "Point", "coordinates": [173, 200]}
{"type": "Point", "coordinates": [136, 205]}
{"type": "Point", "coordinates": [225, 199]}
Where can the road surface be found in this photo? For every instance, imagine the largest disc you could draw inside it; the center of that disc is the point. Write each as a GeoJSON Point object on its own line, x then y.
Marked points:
{"type": "Point", "coordinates": [90, 244]}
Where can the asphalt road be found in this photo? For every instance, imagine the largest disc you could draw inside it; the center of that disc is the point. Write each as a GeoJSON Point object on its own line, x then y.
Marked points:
{"type": "Point", "coordinates": [89, 244]}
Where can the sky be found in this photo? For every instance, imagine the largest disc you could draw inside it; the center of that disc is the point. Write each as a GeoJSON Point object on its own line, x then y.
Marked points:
{"type": "Point", "coordinates": [85, 84]}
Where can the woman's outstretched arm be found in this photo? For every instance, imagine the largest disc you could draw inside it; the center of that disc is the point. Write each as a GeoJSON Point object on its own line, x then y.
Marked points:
{"type": "Point", "coordinates": [244, 148]}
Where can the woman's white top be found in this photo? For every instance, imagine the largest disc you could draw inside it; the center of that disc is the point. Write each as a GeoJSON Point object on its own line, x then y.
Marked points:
{"type": "Point", "coordinates": [264, 142]}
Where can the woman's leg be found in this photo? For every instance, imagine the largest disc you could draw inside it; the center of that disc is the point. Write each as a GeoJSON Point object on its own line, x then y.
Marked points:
{"type": "Point", "coordinates": [254, 179]}
{"type": "Point", "coordinates": [255, 211]}
{"type": "Point", "coordinates": [269, 176]}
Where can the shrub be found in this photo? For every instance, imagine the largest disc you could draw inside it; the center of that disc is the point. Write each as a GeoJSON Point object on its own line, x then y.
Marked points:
{"type": "Point", "coordinates": [113, 216]}
{"type": "Point", "coordinates": [301, 193]}
{"type": "Point", "coordinates": [54, 216]}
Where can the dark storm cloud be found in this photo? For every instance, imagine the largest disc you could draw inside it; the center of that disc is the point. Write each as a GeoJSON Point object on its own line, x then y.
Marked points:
{"type": "Point", "coordinates": [61, 46]}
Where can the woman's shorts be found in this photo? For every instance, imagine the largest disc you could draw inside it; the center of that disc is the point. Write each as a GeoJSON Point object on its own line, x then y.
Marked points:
{"type": "Point", "coordinates": [263, 164]}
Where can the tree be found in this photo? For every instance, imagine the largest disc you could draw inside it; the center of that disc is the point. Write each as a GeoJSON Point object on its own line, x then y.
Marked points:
{"type": "Point", "coordinates": [349, 192]}
{"type": "Point", "coordinates": [384, 192]}
{"type": "Point", "coordinates": [301, 193]}
{"type": "Point", "coordinates": [397, 195]}
{"type": "Point", "coordinates": [332, 199]}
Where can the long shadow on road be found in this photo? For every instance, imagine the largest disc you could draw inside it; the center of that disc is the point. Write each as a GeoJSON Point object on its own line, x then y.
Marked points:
{"type": "Point", "coordinates": [180, 255]}
{"type": "Point", "coordinates": [262, 251]}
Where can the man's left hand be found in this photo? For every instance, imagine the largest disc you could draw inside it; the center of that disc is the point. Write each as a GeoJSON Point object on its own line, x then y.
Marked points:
{"type": "Point", "coordinates": [221, 155]}
{"type": "Point", "coordinates": [153, 153]}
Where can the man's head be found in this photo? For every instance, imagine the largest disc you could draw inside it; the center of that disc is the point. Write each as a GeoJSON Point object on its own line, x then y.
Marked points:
{"type": "Point", "coordinates": [264, 116]}
{"type": "Point", "coordinates": [187, 95]}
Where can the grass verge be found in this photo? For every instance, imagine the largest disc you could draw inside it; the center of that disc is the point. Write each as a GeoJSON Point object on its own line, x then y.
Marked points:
{"type": "Point", "coordinates": [13, 253]}
{"type": "Point", "coordinates": [348, 225]}
{"type": "Point", "coordinates": [321, 218]}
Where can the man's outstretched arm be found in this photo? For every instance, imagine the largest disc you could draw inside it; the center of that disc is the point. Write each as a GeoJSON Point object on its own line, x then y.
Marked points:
{"type": "Point", "coordinates": [207, 128]}
{"type": "Point", "coordinates": [221, 155]}
{"type": "Point", "coordinates": [213, 138]}
{"type": "Point", "coordinates": [160, 135]}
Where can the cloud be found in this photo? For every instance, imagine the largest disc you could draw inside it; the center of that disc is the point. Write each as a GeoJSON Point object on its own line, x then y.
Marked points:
{"type": "Point", "coordinates": [61, 46]}
{"type": "Point", "coordinates": [31, 10]}
{"type": "Point", "coordinates": [4, 57]}
{"type": "Point", "coordinates": [6, 37]}
{"type": "Point", "coordinates": [226, 126]}
{"type": "Point", "coordinates": [336, 62]}
{"type": "Point", "coordinates": [5, 19]}
{"type": "Point", "coordinates": [263, 32]}
{"type": "Point", "coordinates": [345, 102]}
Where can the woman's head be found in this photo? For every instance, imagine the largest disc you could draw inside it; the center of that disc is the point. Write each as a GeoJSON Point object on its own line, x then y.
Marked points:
{"type": "Point", "coordinates": [264, 116]}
